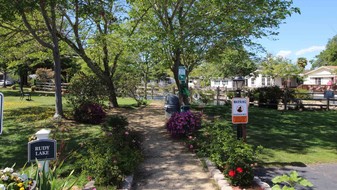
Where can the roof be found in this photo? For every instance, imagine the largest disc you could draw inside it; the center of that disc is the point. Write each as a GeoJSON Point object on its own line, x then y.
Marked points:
{"type": "Point", "coordinates": [323, 67]}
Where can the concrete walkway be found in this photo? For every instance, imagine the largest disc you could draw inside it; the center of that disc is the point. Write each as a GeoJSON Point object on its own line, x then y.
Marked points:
{"type": "Point", "coordinates": [167, 163]}
{"type": "Point", "coordinates": [323, 176]}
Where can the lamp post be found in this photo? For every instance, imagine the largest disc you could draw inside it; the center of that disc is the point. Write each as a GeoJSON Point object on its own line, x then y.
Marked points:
{"type": "Point", "coordinates": [238, 83]}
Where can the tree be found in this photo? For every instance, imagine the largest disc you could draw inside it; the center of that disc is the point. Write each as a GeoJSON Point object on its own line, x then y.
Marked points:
{"type": "Point", "coordinates": [302, 62]}
{"type": "Point", "coordinates": [45, 25]}
{"type": "Point", "coordinates": [279, 67]}
{"type": "Point", "coordinates": [328, 56]}
{"type": "Point", "coordinates": [96, 33]}
{"type": "Point", "coordinates": [234, 62]}
{"type": "Point", "coordinates": [189, 30]}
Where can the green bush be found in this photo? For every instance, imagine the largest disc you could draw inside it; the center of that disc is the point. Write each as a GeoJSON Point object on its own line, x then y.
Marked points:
{"type": "Point", "coordinates": [85, 88]}
{"type": "Point", "coordinates": [112, 156]}
{"type": "Point", "coordinates": [289, 182]}
{"type": "Point", "coordinates": [268, 95]}
{"type": "Point", "coordinates": [234, 157]}
{"type": "Point", "coordinates": [302, 94]}
{"type": "Point", "coordinates": [115, 124]}
{"type": "Point", "coordinates": [207, 96]}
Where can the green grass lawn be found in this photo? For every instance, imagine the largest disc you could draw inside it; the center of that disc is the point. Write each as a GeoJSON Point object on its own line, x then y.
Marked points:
{"type": "Point", "coordinates": [290, 137]}
{"type": "Point", "coordinates": [23, 118]}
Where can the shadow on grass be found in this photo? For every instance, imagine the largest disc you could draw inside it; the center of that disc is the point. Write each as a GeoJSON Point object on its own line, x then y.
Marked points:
{"type": "Point", "coordinates": [289, 131]}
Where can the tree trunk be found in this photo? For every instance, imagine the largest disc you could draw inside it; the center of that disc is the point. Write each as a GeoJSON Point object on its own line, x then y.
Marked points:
{"type": "Point", "coordinates": [57, 77]}
{"type": "Point", "coordinates": [183, 99]}
{"type": "Point", "coordinates": [112, 95]}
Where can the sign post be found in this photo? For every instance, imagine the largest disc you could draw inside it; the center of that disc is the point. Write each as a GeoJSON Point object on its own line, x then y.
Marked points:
{"type": "Point", "coordinates": [43, 149]}
{"type": "Point", "coordinates": [240, 111]}
{"type": "Point", "coordinates": [181, 73]}
{"type": "Point", "coordinates": [1, 111]}
{"type": "Point", "coordinates": [240, 115]}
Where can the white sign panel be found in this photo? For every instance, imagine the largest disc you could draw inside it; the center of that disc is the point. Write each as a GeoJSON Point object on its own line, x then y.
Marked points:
{"type": "Point", "coordinates": [239, 110]}
{"type": "Point", "coordinates": [1, 111]}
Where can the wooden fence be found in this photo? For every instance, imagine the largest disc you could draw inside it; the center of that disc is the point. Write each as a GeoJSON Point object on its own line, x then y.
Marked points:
{"type": "Point", "coordinates": [49, 86]}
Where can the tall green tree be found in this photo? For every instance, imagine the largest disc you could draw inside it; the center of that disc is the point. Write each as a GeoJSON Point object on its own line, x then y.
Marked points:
{"type": "Point", "coordinates": [328, 56]}
{"type": "Point", "coordinates": [97, 32]}
{"type": "Point", "coordinates": [189, 29]}
{"type": "Point", "coordinates": [40, 19]}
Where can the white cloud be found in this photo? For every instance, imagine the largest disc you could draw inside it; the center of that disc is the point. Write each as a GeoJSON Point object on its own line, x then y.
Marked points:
{"type": "Point", "coordinates": [309, 50]}
{"type": "Point", "coordinates": [283, 53]}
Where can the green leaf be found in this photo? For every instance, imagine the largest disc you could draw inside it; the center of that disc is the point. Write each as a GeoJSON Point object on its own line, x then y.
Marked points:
{"type": "Point", "coordinates": [294, 176]}
{"type": "Point", "coordinates": [276, 187]}
{"type": "Point", "coordinates": [305, 183]}
{"type": "Point", "coordinates": [288, 188]}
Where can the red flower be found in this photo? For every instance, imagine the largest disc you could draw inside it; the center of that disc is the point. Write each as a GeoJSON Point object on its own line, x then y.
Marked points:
{"type": "Point", "coordinates": [240, 170]}
{"type": "Point", "coordinates": [231, 173]}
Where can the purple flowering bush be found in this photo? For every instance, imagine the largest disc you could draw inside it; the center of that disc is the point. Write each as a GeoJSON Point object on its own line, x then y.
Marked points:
{"type": "Point", "coordinates": [184, 123]}
{"type": "Point", "coordinates": [89, 113]}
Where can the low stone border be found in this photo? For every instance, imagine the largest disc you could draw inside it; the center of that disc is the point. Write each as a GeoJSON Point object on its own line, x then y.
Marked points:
{"type": "Point", "coordinates": [223, 183]}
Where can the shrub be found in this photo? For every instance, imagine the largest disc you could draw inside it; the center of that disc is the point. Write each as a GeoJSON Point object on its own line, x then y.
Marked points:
{"type": "Point", "coordinates": [184, 123]}
{"type": "Point", "coordinates": [85, 88]}
{"type": "Point", "coordinates": [115, 124]}
{"type": "Point", "coordinates": [207, 96]}
{"type": "Point", "coordinates": [89, 113]}
{"type": "Point", "coordinates": [112, 156]}
{"type": "Point", "coordinates": [234, 157]}
{"type": "Point", "coordinates": [268, 95]}
{"type": "Point", "coordinates": [44, 74]}
{"type": "Point", "coordinates": [290, 181]}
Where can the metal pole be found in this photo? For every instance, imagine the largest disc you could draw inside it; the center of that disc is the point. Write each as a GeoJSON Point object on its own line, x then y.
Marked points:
{"type": "Point", "coordinates": [238, 126]}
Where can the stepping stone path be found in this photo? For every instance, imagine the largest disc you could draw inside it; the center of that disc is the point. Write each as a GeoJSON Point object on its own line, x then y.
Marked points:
{"type": "Point", "coordinates": [167, 163]}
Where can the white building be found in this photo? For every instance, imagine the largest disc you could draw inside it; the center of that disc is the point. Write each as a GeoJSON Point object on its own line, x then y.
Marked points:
{"type": "Point", "coordinates": [221, 83]}
{"type": "Point", "coordinates": [259, 80]}
{"type": "Point", "coordinates": [325, 75]}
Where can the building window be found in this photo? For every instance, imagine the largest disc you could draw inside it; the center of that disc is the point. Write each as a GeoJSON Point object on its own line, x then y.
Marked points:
{"type": "Point", "coordinates": [252, 82]}
{"type": "Point", "coordinates": [225, 82]}
{"type": "Point", "coordinates": [318, 81]}
{"type": "Point", "coordinates": [216, 83]}
{"type": "Point", "coordinates": [268, 81]}
{"type": "Point", "coordinates": [263, 81]}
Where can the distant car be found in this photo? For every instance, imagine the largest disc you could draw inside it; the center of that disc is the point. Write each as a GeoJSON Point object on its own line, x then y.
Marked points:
{"type": "Point", "coordinates": [8, 83]}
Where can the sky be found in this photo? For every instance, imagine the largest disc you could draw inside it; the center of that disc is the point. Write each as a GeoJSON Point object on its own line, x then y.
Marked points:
{"type": "Point", "coordinates": [305, 34]}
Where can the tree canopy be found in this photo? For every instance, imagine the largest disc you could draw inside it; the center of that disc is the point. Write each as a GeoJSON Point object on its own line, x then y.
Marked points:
{"type": "Point", "coordinates": [328, 56]}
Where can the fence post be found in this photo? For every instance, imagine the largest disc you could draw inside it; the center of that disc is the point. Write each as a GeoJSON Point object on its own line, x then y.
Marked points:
{"type": "Point", "coordinates": [217, 95]}
{"type": "Point", "coordinates": [285, 99]}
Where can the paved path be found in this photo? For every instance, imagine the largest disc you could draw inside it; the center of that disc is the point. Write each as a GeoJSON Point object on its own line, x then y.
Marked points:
{"type": "Point", "coordinates": [323, 176]}
{"type": "Point", "coordinates": [167, 164]}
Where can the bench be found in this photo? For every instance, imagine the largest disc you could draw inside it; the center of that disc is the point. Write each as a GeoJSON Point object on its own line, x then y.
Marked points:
{"type": "Point", "coordinates": [23, 94]}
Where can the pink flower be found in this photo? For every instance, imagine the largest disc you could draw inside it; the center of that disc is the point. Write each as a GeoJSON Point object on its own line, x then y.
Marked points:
{"type": "Point", "coordinates": [126, 133]}
{"type": "Point", "coordinates": [191, 146]}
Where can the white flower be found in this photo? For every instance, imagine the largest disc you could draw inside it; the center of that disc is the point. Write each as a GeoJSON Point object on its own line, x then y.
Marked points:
{"type": "Point", "coordinates": [10, 170]}
{"type": "Point", "coordinates": [4, 177]}
{"type": "Point", "coordinates": [15, 175]}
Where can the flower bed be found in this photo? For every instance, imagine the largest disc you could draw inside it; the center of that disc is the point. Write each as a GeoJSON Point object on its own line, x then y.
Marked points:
{"type": "Point", "coordinates": [11, 180]}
